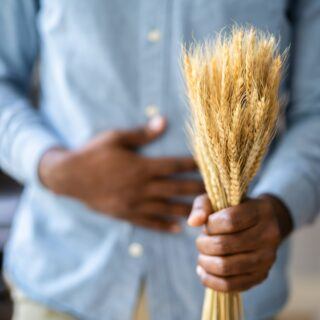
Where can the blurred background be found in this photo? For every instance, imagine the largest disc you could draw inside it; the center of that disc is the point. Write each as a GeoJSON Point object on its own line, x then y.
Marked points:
{"type": "Point", "coordinates": [304, 303]}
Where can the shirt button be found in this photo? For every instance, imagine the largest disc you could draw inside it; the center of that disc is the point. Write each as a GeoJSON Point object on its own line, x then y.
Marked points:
{"type": "Point", "coordinates": [135, 250]}
{"type": "Point", "coordinates": [154, 35]}
{"type": "Point", "coordinates": [151, 110]}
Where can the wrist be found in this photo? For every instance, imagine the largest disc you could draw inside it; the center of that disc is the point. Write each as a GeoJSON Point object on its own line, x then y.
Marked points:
{"type": "Point", "coordinates": [52, 172]}
{"type": "Point", "coordinates": [281, 213]}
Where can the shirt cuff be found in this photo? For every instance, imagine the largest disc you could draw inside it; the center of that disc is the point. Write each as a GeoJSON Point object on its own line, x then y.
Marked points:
{"type": "Point", "coordinates": [41, 142]}
{"type": "Point", "coordinates": [292, 187]}
{"type": "Point", "coordinates": [24, 138]}
{"type": "Point", "coordinates": [26, 156]}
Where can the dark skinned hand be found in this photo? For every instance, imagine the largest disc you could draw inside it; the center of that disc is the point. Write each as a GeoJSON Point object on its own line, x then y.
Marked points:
{"type": "Point", "coordinates": [110, 176]}
{"type": "Point", "coordinates": [239, 244]}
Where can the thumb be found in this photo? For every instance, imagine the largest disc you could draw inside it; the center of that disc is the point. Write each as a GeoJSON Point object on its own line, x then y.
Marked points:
{"type": "Point", "coordinates": [143, 135]}
{"type": "Point", "coordinates": [200, 212]}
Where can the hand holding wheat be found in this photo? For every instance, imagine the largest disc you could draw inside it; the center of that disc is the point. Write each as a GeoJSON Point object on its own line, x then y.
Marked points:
{"type": "Point", "coordinates": [233, 88]}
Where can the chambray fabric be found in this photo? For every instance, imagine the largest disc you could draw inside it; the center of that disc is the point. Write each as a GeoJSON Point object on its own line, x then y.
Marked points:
{"type": "Point", "coordinates": [99, 71]}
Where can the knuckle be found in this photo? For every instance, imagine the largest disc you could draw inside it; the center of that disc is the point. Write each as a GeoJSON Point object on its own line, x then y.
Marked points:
{"type": "Point", "coordinates": [204, 280]}
{"type": "Point", "coordinates": [111, 136]}
{"type": "Point", "coordinates": [199, 242]}
{"type": "Point", "coordinates": [230, 220]}
{"type": "Point", "coordinates": [208, 282]}
{"type": "Point", "coordinates": [211, 224]}
{"type": "Point", "coordinates": [223, 267]}
{"type": "Point", "coordinates": [226, 285]}
{"type": "Point", "coordinates": [220, 244]}
{"type": "Point", "coordinates": [202, 197]}
{"type": "Point", "coordinates": [211, 219]}
{"type": "Point", "coordinates": [199, 200]}
{"type": "Point", "coordinates": [215, 249]}
{"type": "Point", "coordinates": [206, 245]}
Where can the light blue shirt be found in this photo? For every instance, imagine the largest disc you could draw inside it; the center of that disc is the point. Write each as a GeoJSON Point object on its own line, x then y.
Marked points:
{"type": "Point", "coordinates": [102, 64]}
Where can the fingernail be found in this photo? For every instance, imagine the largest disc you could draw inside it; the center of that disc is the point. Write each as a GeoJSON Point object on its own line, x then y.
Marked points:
{"type": "Point", "coordinates": [156, 123]}
{"type": "Point", "coordinates": [199, 271]}
{"type": "Point", "coordinates": [196, 218]}
{"type": "Point", "coordinates": [190, 220]}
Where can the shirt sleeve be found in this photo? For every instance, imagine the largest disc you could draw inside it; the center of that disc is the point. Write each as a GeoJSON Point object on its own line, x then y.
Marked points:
{"type": "Point", "coordinates": [24, 137]}
{"type": "Point", "coordinates": [292, 172]}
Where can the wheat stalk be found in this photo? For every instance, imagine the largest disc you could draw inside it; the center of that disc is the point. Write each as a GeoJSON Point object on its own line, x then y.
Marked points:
{"type": "Point", "coordinates": [232, 85]}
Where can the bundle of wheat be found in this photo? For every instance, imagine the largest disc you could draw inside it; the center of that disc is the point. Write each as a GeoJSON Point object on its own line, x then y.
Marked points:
{"type": "Point", "coordinates": [232, 85]}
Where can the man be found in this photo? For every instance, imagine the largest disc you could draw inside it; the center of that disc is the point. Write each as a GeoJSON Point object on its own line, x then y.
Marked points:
{"type": "Point", "coordinates": [99, 233]}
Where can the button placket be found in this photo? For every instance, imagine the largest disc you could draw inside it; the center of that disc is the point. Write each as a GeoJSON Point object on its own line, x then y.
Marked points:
{"type": "Point", "coordinates": [152, 48]}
